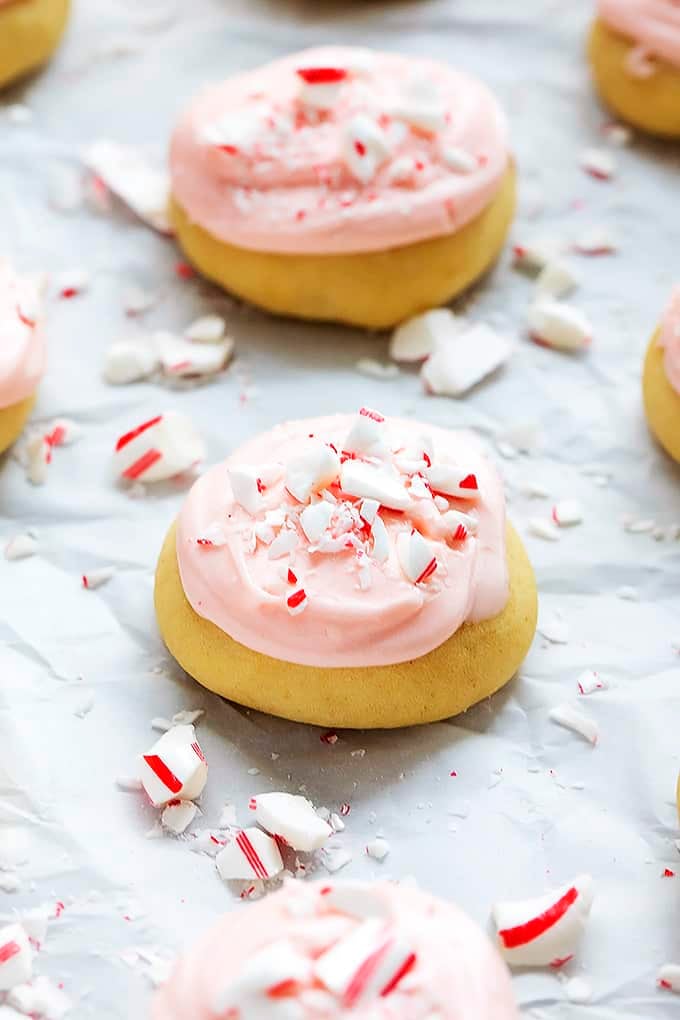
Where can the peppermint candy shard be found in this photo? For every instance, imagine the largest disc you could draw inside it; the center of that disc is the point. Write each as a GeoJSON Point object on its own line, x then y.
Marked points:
{"type": "Point", "coordinates": [158, 449]}
{"type": "Point", "coordinates": [270, 974]}
{"type": "Point", "coordinates": [559, 325]}
{"type": "Point", "coordinates": [251, 854]}
{"type": "Point", "coordinates": [464, 359]}
{"type": "Point", "coordinates": [314, 469]}
{"type": "Point", "coordinates": [544, 931]}
{"type": "Point", "coordinates": [452, 481]}
{"type": "Point", "coordinates": [416, 557]}
{"type": "Point", "coordinates": [293, 819]}
{"type": "Point", "coordinates": [16, 957]}
{"type": "Point", "coordinates": [175, 767]}
{"type": "Point", "coordinates": [367, 434]}
{"type": "Point", "coordinates": [367, 964]}
{"type": "Point", "coordinates": [368, 481]}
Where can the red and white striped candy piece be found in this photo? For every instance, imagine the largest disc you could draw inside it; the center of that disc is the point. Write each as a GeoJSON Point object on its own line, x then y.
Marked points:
{"type": "Point", "coordinates": [559, 325]}
{"type": "Point", "coordinates": [421, 105]}
{"type": "Point", "coordinates": [365, 147]}
{"type": "Point", "coordinates": [367, 481]}
{"type": "Point", "coordinates": [534, 254]}
{"type": "Point", "coordinates": [367, 964]}
{"type": "Point", "coordinates": [668, 977]}
{"type": "Point", "coordinates": [320, 86]}
{"type": "Point", "coordinates": [368, 509]}
{"type": "Point", "coordinates": [285, 543]}
{"type": "Point", "coordinates": [450, 480]}
{"type": "Point", "coordinates": [595, 241]}
{"type": "Point", "coordinates": [544, 931]}
{"type": "Point", "coordinates": [590, 681]}
{"type": "Point", "coordinates": [459, 160]}
{"type": "Point", "coordinates": [126, 172]}
{"type": "Point", "coordinates": [251, 854]}
{"type": "Point", "coordinates": [315, 519]}
{"type": "Point", "coordinates": [38, 459]}
{"type": "Point", "coordinates": [178, 815]}
{"type": "Point", "coordinates": [293, 819]}
{"type": "Point", "coordinates": [356, 899]}
{"type": "Point", "coordinates": [314, 469]}
{"type": "Point", "coordinates": [598, 163]}
{"type": "Point", "coordinates": [458, 525]}
{"type": "Point", "coordinates": [416, 556]}
{"type": "Point", "coordinates": [556, 280]}
{"type": "Point", "coordinates": [367, 434]}
{"type": "Point", "coordinates": [272, 974]}
{"type": "Point", "coordinates": [208, 329]}
{"type": "Point", "coordinates": [418, 338]}
{"type": "Point", "coordinates": [96, 578]}
{"type": "Point", "coordinates": [567, 512]}
{"type": "Point", "coordinates": [175, 767]}
{"type": "Point", "coordinates": [158, 449]}
{"type": "Point", "coordinates": [381, 541]}
{"type": "Point", "coordinates": [180, 358]}
{"type": "Point", "coordinates": [464, 358]}
{"type": "Point", "coordinates": [130, 360]}
{"type": "Point", "coordinates": [16, 957]}
{"type": "Point", "coordinates": [247, 486]}
{"type": "Point", "coordinates": [296, 602]}
{"type": "Point", "coordinates": [570, 719]}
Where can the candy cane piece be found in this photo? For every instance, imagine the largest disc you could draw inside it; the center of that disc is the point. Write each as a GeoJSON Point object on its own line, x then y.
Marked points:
{"type": "Point", "coordinates": [368, 963]}
{"type": "Point", "coordinates": [559, 325]}
{"type": "Point", "coordinates": [459, 160]}
{"type": "Point", "coordinates": [598, 163]}
{"type": "Point", "coordinates": [416, 557]}
{"type": "Point", "coordinates": [159, 448]}
{"type": "Point", "coordinates": [381, 541]}
{"type": "Point", "coordinates": [96, 578]}
{"type": "Point", "coordinates": [251, 854]}
{"type": "Point", "coordinates": [590, 681]}
{"type": "Point", "coordinates": [20, 547]}
{"type": "Point", "coordinates": [130, 360]}
{"type": "Point", "coordinates": [544, 931]}
{"type": "Point", "coordinates": [367, 434]}
{"type": "Point", "coordinates": [271, 972]}
{"type": "Point", "coordinates": [315, 519]}
{"type": "Point", "coordinates": [314, 469]}
{"type": "Point", "coordinates": [452, 481]}
{"type": "Point", "coordinates": [175, 767]}
{"type": "Point", "coordinates": [464, 358]}
{"type": "Point", "coordinates": [570, 719]}
{"type": "Point", "coordinates": [128, 175]}
{"type": "Point", "coordinates": [293, 819]}
{"type": "Point", "coordinates": [209, 329]}
{"type": "Point", "coordinates": [356, 899]}
{"type": "Point", "coordinates": [556, 280]}
{"type": "Point", "coordinates": [178, 815]}
{"type": "Point", "coordinates": [16, 957]}
{"type": "Point", "coordinates": [180, 357]}
{"type": "Point", "coordinates": [567, 512]}
{"type": "Point", "coordinates": [668, 977]}
{"type": "Point", "coordinates": [247, 487]}
{"type": "Point", "coordinates": [365, 147]}
{"type": "Point", "coordinates": [418, 338]}
{"type": "Point", "coordinates": [320, 87]}
{"type": "Point", "coordinates": [367, 481]}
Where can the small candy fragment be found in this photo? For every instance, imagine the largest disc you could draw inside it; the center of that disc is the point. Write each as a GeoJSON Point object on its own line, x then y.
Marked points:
{"type": "Point", "coordinates": [38, 459]}
{"type": "Point", "coordinates": [315, 519]}
{"type": "Point", "coordinates": [598, 163]}
{"type": "Point", "coordinates": [126, 172]}
{"type": "Point", "coordinates": [559, 325]}
{"type": "Point", "coordinates": [668, 977]}
{"type": "Point", "coordinates": [556, 280]}
{"type": "Point", "coordinates": [595, 241]}
{"type": "Point", "coordinates": [544, 931]}
{"type": "Point", "coordinates": [293, 819]}
{"type": "Point", "coordinates": [452, 481]}
{"type": "Point", "coordinates": [285, 542]}
{"type": "Point", "coordinates": [367, 434]}
{"type": "Point", "coordinates": [159, 448]}
{"type": "Point", "coordinates": [366, 481]}
{"type": "Point", "coordinates": [270, 975]}
{"type": "Point", "coordinates": [381, 541]}
{"type": "Point", "coordinates": [20, 547]}
{"type": "Point", "coordinates": [533, 255]}
{"type": "Point", "coordinates": [42, 998]}
{"type": "Point", "coordinates": [251, 854]}
{"type": "Point", "coordinates": [365, 147]}
{"type": "Point", "coordinates": [416, 557]}
{"type": "Point", "coordinates": [570, 719]}
{"type": "Point", "coordinates": [16, 957]}
{"type": "Point", "coordinates": [378, 848]}
{"type": "Point", "coordinates": [355, 900]}
{"type": "Point", "coordinates": [320, 86]}
{"type": "Point", "coordinates": [247, 487]}
{"type": "Point", "coordinates": [96, 578]}
{"type": "Point", "coordinates": [458, 159]}
{"type": "Point", "coordinates": [464, 358]}
{"type": "Point", "coordinates": [209, 329]}
{"type": "Point", "coordinates": [297, 602]}
{"type": "Point", "coordinates": [178, 815]}
{"type": "Point", "coordinates": [589, 681]}
{"type": "Point", "coordinates": [543, 529]}
{"type": "Point", "coordinates": [368, 963]}
{"type": "Point", "coordinates": [567, 512]}
{"type": "Point", "coordinates": [313, 470]}
{"type": "Point", "coordinates": [421, 105]}
{"type": "Point", "coordinates": [175, 767]}
{"type": "Point", "coordinates": [128, 361]}
{"type": "Point", "coordinates": [180, 357]}
{"type": "Point", "coordinates": [376, 369]}
{"type": "Point", "coordinates": [417, 338]}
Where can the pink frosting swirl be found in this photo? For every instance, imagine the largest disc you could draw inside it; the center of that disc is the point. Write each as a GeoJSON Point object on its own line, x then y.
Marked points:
{"type": "Point", "coordinates": [271, 961]}
{"type": "Point", "coordinates": [653, 24]}
{"type": "Point", "coordinates": [22, 344]}
{"type": "Point", "coordinates": [669, 339]}
{"type": "Point", "coordinates": [359, 564]}
{"type": "Point", "coordinates": [339, 150]}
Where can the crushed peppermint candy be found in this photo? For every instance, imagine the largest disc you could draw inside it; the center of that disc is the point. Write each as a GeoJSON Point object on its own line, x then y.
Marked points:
{"type": "Point", "coordinates": [598, 163]}
{"type": "Point", "coordinates": [175, 767]}
{"type": "Point", "coordinates": [130, 360]}
{"type": "Point", "coordinates": [178, 815]}
{"type": "Point", "coordinates": [567, 513]}
{"type": "Point", "coordinates": [291, 819]}
{"type": "Point", "coordinates": [16, 957]}
{"type": "Point", "coordinates": [544, 931]}
{"type": "Point", "coordinates": [96, 578]}
{"type": "Point", "coordinates": [464, 358]}
{"type": "Point", "coordinates": [556, 280]}
{"type": "Point", "coordinates": [250, 854]}
{"type": "Point", "coordinates": [590, 681]}
{"type": "Point", "coordinates": [378, 848]}
{"type": "Point", "coordinates": [559, 325]}
{"type": "Point", "coordinates": [160, 448]}
{"type": "Point", "coordinates": [209, 329]}
{"type": "Point", "coordinates": [571, 719]}
{"type": "Point", "coordinates": [668, 977]}
{"type": "Point", "coordinates": [127, 173]}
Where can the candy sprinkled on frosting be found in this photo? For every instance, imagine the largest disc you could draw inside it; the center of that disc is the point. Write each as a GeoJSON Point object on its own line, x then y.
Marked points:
{"type": "Point", "coordinates": [339, 150]}
{"type": "Point", "coordinates": [22, 345]}
{"type": "Point", "coordinates": [654, 25]}
{"type": "Point", "coordinates": [371, 555]}
{"type": "Point", "coordinates": [323, 951]}
{"type": "Point", "coordinates": [669, 339]}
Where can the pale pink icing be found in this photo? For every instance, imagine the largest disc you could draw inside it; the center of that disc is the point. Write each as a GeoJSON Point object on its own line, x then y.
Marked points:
{"type": "Point", "coordinates": [669, 339]}
{"type": "Point", "coordinates": [244, 592]}
{"type": "Point", "coordinates": [284, 185]}
{"type": "Point", "coordinates": [456, 975]}
{"type": "Point", "coordinates": [22, 344]}
{"type": "Point", "coordinates": [654, 25]}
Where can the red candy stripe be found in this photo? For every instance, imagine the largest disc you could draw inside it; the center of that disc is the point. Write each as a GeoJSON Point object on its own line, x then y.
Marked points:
{"type": "Point", "coordinates": [9, 950]}
{"type": "Point", "coordinates": [537, 926]}
{"type": "Point", "coordinates": [129, 436]}
{"type": "Point", "coordinates": [160, 769]}
{"type": "Point", "coordinates": [142, 464]}
{"type": "Point", "coordinates": [251, 855]}
{"type": "Point", "coordinates": [321, 75]}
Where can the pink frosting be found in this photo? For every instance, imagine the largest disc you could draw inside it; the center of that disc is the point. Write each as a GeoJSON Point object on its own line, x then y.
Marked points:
{"type": "Point", "coordinates": [22, 344]}
{"type": "Point", "coordinates": [360, 608]}
{"type": "Point", "coordinates": [398, 150]}
{"type": "Point", "coordinates": [669, 339]}
{"type": "Point", "coordinates": [264, 961]}
{"type": "Point", "coordinates": [653, 24]}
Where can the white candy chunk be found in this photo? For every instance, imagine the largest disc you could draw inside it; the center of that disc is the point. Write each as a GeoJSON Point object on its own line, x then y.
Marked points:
{"type": "Point", "coordinates": [126, 172]}
{"type": "Point", "coordinates": [556, 280]}
{"type": "Point", "coordinates": [459, 160]}
{"type": "Point", "coordinates": [251, 854]}
{"type": "Point", "coordinates": [376, 369]}
{"type": "Point", "coordinates": [450, 480]}
{"type": "Point", "coordinates": [285, 542]}
{"type": "Point", "coordinates": [175, 767]}
{"type": "Point", "coordinates": [458, 525]}
{"type": "Point", "coordinates": [543, 529]}
{"type": "Point", "coordinates": [559, 325]}
{"type": "Point", "coordinates": [293, 819]}
{"type": "Point", "coordinates": [128, 361]}
{"type": "Point", "coordinates": [180, 358]}
{"type": "Point", "coordinates": [38, 458]}
{"type": "Point", "coordinates": [20, 547]}
{"type": "Point", "coordinates": [314, 519]}
{"type": "Point", "coordinates": [668, 977]}
{"type": "Point", "coordinates": [366, 964]}
{"type": "Point", "coordinates": [368, 509]}
{"type": "Point", "coordinates": [595, 241]}
{"type": "Point", "coordinates": [533, 255]}
{"type": "Point", "coordinates": [247, 487]}
{"type": "Point", "coordinates": [356, 899]}
{"type": "Point", "coordinates": [466, 357]}
{"type": "Point", "coordinates": [314, 469]}
{"type": "Point", "coordinates": [160, 448]}
{"type": "Point", "coordinates": [252, 994]}
{"type": "Point", "coordinates": [365, 147]}
{"type": "Point", "coordinates": [320, 87]}
{"type": "Point", "coordinates": [571, 719]}
{"type": "Point", "coordinates": [417, 338]}
{"type": "Point", "coordinates": [209, 329]}
{"type": "Point", "coordinates": [42, 998]}
{"type": "Point", "coordinates": [96, 578]}
{"type": "Point", "coordinates": [416, 557]}
{"type": "Point", "coordinates": [421, 105]}
{"type": "Point", "coordinates": [137, 299]}
{"type": "Point", "coordinates": [598, 163]}
{"type": "Point", "coordinates": [178, 815]}
{"type": "Point", "coordinates": [16, 957]}
{"type": "Point", "coordinates": [381, 541]}
{"type": "Point", "coordinates": [567, 512]}
{"type": "Point", "coordinates": [378, 848]}
{"type": "Point", "coordinates": [589, 681]}
{"type": "Point", "coordinates": [544, 931]}
{"type": "Point", "coordinates": [366, 481]}
{"type": "Point", "coordinates": [367, 434]}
